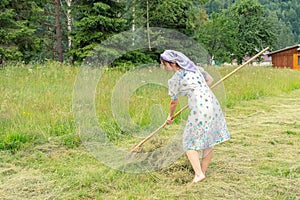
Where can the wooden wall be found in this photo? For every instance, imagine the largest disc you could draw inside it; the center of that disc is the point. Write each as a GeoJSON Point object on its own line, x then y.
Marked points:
{"type": "Point", "coordinates": [284, 58]}
{"type": "Point", "coordinates": [296, 61]}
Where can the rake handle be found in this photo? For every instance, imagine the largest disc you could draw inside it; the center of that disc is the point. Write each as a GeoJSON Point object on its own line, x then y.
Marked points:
{"type": "Point", "coordinates": [186, 106]}
{"type": "Point", "coordinates": [148, 137]}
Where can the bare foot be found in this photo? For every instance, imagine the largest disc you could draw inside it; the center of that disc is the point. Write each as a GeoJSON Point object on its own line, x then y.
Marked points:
{"type": "Point", "coordinates": [199, 178]}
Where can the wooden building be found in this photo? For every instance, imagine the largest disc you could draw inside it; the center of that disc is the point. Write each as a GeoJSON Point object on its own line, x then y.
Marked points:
{"type": "Point", "coordinates": [288, 57]}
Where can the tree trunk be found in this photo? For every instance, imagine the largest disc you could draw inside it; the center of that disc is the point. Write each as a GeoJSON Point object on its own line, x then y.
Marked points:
{"type": "Point", "coordinates": [58, 31]}
{"type": "Point", "coordinates": [133, 23]}
{"type": "Point", "coordinates": [148, 27]}
{"type": "Point", "coordinates": [69, 24]}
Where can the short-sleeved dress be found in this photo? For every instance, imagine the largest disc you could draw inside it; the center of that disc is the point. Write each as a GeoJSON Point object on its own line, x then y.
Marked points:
{"type": "Point", "coordinates": [206, 125]}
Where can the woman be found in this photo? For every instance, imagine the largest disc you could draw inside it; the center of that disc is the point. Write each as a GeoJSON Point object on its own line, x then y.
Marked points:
{"type": "Point", "coordinates": [206, 125]}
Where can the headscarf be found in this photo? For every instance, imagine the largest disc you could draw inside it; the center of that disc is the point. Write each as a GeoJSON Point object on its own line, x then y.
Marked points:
{"type": "Point", "coordinates": [182, 60]}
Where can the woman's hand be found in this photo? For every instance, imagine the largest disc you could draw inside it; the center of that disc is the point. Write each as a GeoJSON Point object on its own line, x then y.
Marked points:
{"type": "Point", "coordinates": [173, 105]}
{"type": "Point", "coordinates": [169, 120]}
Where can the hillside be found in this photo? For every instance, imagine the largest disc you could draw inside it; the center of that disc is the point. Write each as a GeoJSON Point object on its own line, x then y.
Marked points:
{"type": "Point", "coordinates": [285, 13]}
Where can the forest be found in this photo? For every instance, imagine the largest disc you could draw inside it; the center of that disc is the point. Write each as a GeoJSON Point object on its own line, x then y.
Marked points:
{"type": "Point", "coordinates": [68, 30]}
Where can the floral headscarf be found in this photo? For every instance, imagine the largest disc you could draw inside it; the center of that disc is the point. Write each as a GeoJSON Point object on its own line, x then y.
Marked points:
{"type": "Point", "coordinates": [182, 60]}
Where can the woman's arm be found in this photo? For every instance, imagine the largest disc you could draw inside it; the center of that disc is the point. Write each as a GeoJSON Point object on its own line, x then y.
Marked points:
{"type": "Point", "coordinates": [209, 80]}
{"type": "Point", "coordinates": [173, 105]}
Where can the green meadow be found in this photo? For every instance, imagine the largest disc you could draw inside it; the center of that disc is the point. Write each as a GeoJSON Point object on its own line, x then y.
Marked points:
{"type": "Point", "coordinates": [42, 155]}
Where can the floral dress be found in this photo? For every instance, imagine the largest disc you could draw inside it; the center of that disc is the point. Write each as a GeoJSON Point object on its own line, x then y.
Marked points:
{"type": "Point", "coordinates": [206, 125]}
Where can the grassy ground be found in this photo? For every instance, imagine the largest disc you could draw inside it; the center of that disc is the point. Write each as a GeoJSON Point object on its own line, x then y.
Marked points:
{"type": "Point", "coordinates": [42, 157]}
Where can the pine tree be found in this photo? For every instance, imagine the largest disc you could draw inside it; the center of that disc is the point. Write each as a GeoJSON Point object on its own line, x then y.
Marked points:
{"type": "Point", "coordinates": [94, 22]}
{"type": "Point", "coordinates": [18, 25]}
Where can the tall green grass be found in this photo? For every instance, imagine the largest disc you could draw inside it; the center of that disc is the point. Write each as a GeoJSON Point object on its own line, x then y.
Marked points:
{"type": "Point", "coordinates": [254, 82]}
{"type": "Point", "coordinates": [36, 100]}
{"type": "Point", "coordinates": [35, 103]}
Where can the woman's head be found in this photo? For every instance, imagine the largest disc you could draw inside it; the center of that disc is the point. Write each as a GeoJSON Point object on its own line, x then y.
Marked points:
{"type": "Point", "coordinates": [169, 66]}
{"type": "Point", "coordinates": [172, 58]}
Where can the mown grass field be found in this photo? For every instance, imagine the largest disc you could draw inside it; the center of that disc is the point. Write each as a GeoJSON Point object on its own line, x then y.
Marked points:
{"type": "Point", "coordinates": [42, 156]}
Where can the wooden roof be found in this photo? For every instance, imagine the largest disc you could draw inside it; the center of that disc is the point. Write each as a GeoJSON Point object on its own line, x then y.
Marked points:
{"type": "Point", "coordinates": [286, 48]}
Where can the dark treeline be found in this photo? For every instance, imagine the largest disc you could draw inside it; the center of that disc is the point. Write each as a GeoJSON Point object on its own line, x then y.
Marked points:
{"type": "Point", "coordinates": [68, 30]}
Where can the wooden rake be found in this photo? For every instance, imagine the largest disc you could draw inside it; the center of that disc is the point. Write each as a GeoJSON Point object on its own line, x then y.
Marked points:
{"type": "Point", "coordinates": [185, 107]}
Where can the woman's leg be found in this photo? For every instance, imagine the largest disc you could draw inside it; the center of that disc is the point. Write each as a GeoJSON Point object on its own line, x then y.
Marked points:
{"type": "Point", "coordinates": [193, 157]}
{"type": "Point", "coordinates": [206, 158]}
